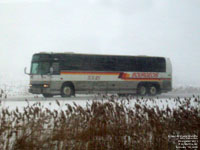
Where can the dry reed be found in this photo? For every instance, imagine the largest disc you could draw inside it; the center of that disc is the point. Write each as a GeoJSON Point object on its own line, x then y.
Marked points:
{"type": "Point", "coordinates": [111, 123]}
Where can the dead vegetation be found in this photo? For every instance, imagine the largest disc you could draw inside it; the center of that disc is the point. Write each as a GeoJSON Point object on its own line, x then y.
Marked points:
{"type": "Point", "coordinates": [111, 123]}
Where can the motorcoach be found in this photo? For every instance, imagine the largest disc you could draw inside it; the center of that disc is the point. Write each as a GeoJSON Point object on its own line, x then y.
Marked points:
{"type": "Point", "coordinates": [67, 74]}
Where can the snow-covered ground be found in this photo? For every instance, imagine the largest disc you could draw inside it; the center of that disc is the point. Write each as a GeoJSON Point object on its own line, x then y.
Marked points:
{"type": "Point", "coordinates": [18, 97]}
{"type": "Point", "coordinates": [18, 104]}
{"type": "Point", "coordinates": [170, 100]}
{"type": "Point", "coordinates": [50, 103]}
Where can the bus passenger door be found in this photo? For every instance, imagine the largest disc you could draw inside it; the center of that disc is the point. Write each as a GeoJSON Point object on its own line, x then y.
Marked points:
{"type": "Point", "coordinates": [55, 80]}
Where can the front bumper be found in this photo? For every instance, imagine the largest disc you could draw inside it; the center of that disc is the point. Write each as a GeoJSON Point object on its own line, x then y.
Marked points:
{"type": "Point", "coordinates": [39, 89]}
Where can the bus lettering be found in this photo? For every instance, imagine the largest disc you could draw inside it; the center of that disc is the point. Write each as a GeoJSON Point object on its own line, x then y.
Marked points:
{"type": "Point", "coordinates": [145, 75]}
{"type": "Point", "coordinates": [94, 78]}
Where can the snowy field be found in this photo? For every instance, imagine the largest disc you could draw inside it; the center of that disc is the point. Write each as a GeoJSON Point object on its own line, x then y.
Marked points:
{"type": "Point", "coordinates": [17, 96]}
{"type": "Point", "coordinates": [162, 101]}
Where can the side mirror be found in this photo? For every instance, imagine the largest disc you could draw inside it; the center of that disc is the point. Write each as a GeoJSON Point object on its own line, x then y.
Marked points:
{"type": "Point", "coordinates": [25, 71]}
{"type": "Point", "coordinates": [51, 70]}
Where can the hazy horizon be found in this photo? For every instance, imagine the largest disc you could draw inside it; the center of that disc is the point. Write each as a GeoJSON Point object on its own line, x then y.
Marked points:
{"type": "Point", "coordinates": [130, 27]}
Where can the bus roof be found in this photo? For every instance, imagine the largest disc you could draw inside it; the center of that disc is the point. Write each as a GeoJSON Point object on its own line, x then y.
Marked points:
{"type": "Point", "coordinates": [52, 53]}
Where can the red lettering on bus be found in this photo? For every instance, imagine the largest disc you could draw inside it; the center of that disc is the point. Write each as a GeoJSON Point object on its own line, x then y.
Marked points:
{"type": "Point", "coordinates": [134, 75]}
{"type": "Point", "coordinates": [139, 75]}
{"type": "Point", "coordinates": [155, 75]}
{"type": "Point", "coordinates": [144, 75]}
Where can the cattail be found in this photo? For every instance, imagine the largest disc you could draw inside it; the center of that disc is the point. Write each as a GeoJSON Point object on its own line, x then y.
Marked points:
{"type": "Point", "coordinates": [69, 108]}
{"type": "Point", "coordinates": [57, 102]}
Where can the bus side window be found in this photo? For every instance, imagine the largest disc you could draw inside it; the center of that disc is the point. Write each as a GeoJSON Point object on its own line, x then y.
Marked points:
{"type": "Point", "coordinates": [141, 64]}
{"type": "Point", "coordinates": [56, 69]}
{"type": "Point", "coordinates": [161, 64]}
{"type": "Point", "coordinates": [85, 63]}
{"type": "Point", "coordinates": [110, 63]}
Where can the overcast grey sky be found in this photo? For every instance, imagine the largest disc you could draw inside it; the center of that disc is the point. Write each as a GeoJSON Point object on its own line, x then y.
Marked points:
{"type": "Point", "coordinates": [169, 28]}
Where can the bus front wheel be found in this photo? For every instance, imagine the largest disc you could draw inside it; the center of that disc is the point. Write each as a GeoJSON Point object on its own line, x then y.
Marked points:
{"type": "Point", "coordinates": [67, 90]}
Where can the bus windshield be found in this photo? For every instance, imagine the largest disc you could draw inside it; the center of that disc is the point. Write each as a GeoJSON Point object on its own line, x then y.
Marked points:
{"type": "Point", "coordinates": [40, 68]}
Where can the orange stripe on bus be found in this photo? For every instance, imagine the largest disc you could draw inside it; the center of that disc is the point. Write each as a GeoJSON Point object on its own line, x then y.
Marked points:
{"type": "Point", "coordinates": [127, 77]}
{"type": "Point", "coordinates": [93, 73]}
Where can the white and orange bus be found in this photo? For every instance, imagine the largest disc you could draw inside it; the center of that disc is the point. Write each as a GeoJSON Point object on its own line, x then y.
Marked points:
{"type": "Point", "coordinates": [67, 74]}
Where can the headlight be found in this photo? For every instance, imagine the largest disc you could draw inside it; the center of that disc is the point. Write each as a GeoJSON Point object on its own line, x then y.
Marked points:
{"type": "Point", "coordinates": [45, 85]}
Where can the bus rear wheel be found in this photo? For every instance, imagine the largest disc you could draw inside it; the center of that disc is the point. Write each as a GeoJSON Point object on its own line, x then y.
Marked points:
{"type": "Point", "coordinates": [142, 90]}
{"type": "Point", "coordinates": [67, 90]}
{"type": "Point", "coordinates": [152, 90]}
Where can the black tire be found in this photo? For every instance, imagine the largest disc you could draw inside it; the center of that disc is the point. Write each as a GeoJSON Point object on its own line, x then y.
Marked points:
{"type": "Point", "coordinates": [142, 90]}
{"type": "Point", "coordinates": [152, 90]}
{"type": "Point", "coordinates": [47, 95]}
{"type": "Point", "coordinates": [67, 90]}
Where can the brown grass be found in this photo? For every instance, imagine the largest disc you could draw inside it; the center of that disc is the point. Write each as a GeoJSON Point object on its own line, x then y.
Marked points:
{"type": "Point", "coordinates": [104, 124]}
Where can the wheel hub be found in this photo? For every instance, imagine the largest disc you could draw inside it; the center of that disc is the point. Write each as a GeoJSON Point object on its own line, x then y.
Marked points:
{"type": "Point", "coordinates": [153, 90]}
{"type": "Point", "coordinates": [142, 90]}
{"type": "Point", "coordinates": [67, 91]}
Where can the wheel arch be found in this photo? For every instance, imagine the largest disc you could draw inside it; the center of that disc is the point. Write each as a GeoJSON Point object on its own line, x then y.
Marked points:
{"type": "Point", "coordinates": [142, 83]}
{"type": "Point", "coordinates": [156, 84]}
{"type": "Point", "coordinates": [148, 84]}
{"type": "Point", "coordinates": [68, 83]}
